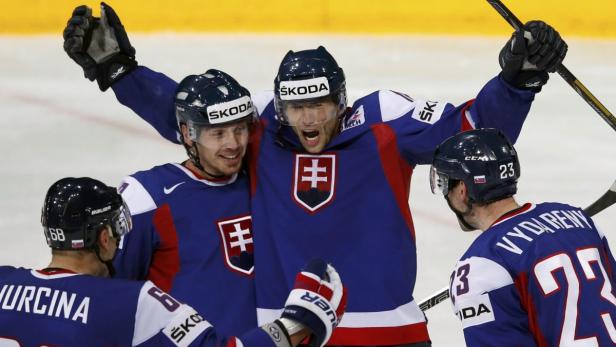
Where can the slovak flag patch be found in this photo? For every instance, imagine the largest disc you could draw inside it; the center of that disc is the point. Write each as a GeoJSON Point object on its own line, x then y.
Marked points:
{"type": "Point", "coordinates": [479, 179]}
{"type": "Point", "coordinates": [237, 242]}
{"type": "Point", "coordinates": [314, 180]}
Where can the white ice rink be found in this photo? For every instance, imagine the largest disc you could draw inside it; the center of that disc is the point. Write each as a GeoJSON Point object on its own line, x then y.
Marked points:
{"type": "Point", "coordinates": [55, 123]}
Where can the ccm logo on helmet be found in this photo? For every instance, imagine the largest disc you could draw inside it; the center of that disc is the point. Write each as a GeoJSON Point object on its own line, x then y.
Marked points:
{"type": "Point", "coordinates": [304, 89]}
{"type": "Point", "coordinates": [230, 111]}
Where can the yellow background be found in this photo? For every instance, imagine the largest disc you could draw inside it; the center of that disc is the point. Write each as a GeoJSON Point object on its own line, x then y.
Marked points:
{"type": "Point", "coordinates": [594, 18]}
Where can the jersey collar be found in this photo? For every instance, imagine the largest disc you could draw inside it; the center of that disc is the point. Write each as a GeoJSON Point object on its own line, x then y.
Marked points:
{"type": "Point", "coordinates": [53, 273]}
{"type": "Point", "coordinates": [214, 183]}
{"type": "Point", "coordinates": [508, 215]}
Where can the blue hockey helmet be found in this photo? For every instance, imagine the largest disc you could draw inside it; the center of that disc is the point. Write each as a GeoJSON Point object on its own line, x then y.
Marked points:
{"type": "Point", "coordinates": [308, 75]}
{"type": "Point", "coordinates": [483, 159]}
{"type": "Point", "coordinates": [77, 209]}
{"type": "Point", "coordinates": [211, 99]}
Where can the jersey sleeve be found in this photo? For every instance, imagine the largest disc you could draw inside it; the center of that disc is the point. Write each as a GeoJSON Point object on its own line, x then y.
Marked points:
{"type": "Point", "coordinates": [134, 256]}
{"type": "Point", "coordinates": [485, 299]}
{"type": "Point", "coordinates": [421, 125]}
{"type": "Point", "coordinates": [151, 96]}
{"type": "Point", "coordinates": [161, 320]}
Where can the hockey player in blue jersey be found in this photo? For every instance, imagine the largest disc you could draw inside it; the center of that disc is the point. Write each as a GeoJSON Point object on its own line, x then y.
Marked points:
{"type": "Point", "coordinates": [332, 181]}
{"type": "Point", "coordinates": [71, 303]}
{"type": "Point", "coordinates": [192, 220]}
{"type": "Point", "coordinates": [538, 274]}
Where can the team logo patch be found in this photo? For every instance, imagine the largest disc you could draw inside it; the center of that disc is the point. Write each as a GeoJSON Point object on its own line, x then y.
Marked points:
{"type": "Point", "coordinates": [236, 237]}
{"type": "Point", "coordinates": [356, 119]}
{"type": "Point", "coordinates": [315, 180]}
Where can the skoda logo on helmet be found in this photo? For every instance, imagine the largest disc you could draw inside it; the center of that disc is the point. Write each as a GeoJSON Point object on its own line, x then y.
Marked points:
{"type": "Point", "coordinates": [304, 89]}
{"type": "Point", "coordinates": [230, 111]}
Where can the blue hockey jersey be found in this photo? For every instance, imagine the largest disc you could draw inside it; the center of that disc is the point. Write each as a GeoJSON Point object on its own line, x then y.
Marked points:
{"type": "Point", "coordinates": [348, 204]}
{"type": "Point", "coordinates": [541, 275]}
{"type": "Point", "coordinates": [61, 308]}
{"type": "Point", "coordinates": [192, 238]}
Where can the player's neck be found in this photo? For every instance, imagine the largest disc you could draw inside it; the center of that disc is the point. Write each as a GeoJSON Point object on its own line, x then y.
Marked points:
{"type": "Point", "coordinates": [488, 214]}
{"type": "Point", "coordinates": [78, 262]}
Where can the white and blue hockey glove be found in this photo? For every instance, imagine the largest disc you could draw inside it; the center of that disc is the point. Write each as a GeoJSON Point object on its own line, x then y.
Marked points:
{"type": "Point", "coordinates": [317, 302]}
{"type": "Point", "coordinates": [99, 45]}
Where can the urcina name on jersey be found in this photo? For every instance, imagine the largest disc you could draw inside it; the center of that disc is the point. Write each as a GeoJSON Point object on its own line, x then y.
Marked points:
{"type": "Point", "coordinates": [45, 301]}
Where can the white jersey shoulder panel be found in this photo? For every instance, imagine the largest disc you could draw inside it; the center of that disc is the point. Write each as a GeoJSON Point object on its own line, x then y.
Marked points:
{"type": "Point", "coordinates": [394, 105]}
{"type": "Point", "coordinates": [158, 311]}
{"type": "Point", "coordinates": [483, 276]}
{"type": "Point", "coordinates": [262, 99]}
{"type": "Point", "coordinates": [136, 196]}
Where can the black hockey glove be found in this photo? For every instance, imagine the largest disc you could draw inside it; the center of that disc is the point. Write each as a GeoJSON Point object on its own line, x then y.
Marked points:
{"type": "Point", "coordinates": [99, 45]}
{"type": "Point", "coordinates": [529, 55]}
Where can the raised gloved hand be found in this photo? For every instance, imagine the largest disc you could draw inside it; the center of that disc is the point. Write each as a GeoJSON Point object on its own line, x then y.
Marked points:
{"type": "Point", "coordinates": [530, 54]}
{"type": "Point", "coordinates": [99, 45]}
{"type": "Point", "coordinates": [316, 303]}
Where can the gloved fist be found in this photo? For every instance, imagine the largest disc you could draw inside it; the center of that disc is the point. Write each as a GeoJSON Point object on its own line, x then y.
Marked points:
{"type": "Point", "coordinates": [99, 45]}
{"type": "Point", "coordinates": [530, 54]}
{"type": "Point", "coordinates": [317, 302]}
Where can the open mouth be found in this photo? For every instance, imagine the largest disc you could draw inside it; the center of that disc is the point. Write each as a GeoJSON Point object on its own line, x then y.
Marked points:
{"type": "Point", "coordinates": [311, 136]}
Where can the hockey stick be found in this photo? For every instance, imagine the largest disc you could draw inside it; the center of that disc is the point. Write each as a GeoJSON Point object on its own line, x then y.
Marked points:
{"type": "Point", "coordinates": [561, 69]}
{"type": "Point", "coordinates": [605, 201]}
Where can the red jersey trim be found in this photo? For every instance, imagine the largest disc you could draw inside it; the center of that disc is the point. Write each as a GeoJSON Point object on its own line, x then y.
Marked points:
{"type": "Point", "coordinates": [397, 171]}
{"type": "Point", "coordinates": [466, 123]}
{"type": "Point", "coordinates": [55, 271]}
{"type": "Point", "coordinates": [254, 146]}
{"type": "Point", "coordinates": [166, 258]}
{"type": "Point", "coordinates": [382, 336]}
{"type": "Point", "coordinates": [521, 283]}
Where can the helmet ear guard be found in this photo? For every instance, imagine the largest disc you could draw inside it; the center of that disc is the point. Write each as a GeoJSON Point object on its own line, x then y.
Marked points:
{"type": "Point", "coordinates": [483, 159]}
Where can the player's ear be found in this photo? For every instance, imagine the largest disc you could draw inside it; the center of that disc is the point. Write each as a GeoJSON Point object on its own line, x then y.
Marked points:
{"type": "Point", "coordinates": [104, 238]}
{"type": "Point", "coordinates": [462, 190]}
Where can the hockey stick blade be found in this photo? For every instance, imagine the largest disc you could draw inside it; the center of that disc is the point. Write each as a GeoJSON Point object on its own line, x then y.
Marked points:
{"type": "Point", "coordinates": [578, 86]}
{"type": "Point", "coordinates": [606, 200]}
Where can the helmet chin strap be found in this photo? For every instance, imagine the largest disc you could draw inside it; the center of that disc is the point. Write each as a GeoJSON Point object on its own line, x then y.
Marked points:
{"type": "Point", "coordinates": [108, 263]}
{"type": "Point", "coordinates": [464, 225]}
{"type": "Point", "coordinates": [193, 155]}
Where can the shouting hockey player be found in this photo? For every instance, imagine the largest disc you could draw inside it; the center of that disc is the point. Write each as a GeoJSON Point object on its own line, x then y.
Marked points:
{"type": "Point", "coordinates": [332, 181]}
{"type": "Point", "coordinates": [70, 303]}
{"type": "Point", "coordinates": [192, 232]}
{"type": "Point", "coordinates": [538, 274]}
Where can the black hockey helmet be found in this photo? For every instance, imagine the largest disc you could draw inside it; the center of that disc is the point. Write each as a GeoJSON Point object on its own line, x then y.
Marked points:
{"type": "Point", "coordinates": [308, 75]}
{"type": "Point", "coordinates": [483, 159]}
{"type": "Point", "coordinates": [76, 210]}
